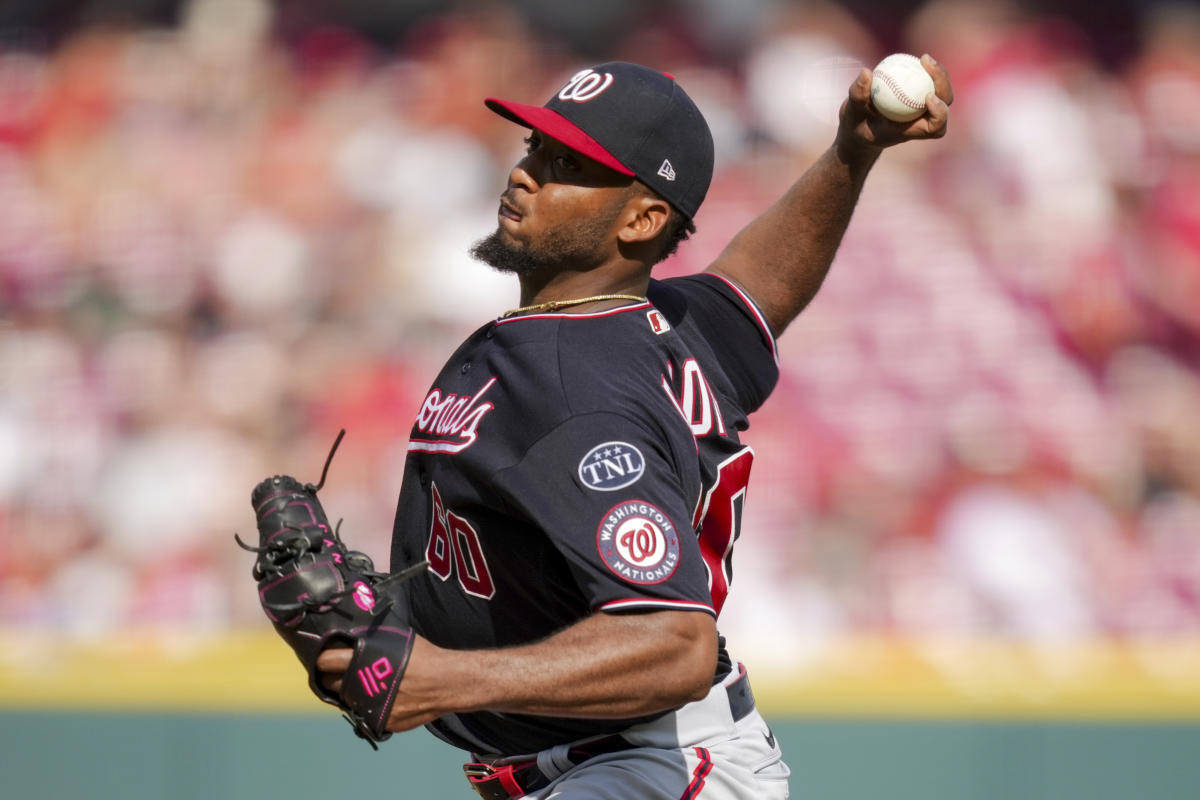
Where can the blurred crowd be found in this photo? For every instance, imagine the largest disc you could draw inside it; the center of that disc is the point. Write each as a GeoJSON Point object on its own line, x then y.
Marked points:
{"type": "Point", "coordinates": [219, 245]}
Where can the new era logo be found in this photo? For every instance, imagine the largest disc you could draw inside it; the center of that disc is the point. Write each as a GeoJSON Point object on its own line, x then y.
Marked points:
{"type": "Point", "coordinates": [666, 170]}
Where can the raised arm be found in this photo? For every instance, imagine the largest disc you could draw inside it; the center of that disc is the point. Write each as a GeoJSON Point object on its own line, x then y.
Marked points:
{"type": "Point", "coordinates": [781, 258]}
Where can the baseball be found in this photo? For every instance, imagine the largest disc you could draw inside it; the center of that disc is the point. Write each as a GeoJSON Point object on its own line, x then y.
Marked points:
{"type": "Point", "coordinates": [899, 86]}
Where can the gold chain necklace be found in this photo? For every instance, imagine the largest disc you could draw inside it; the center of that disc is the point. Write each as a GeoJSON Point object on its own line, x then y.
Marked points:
{"type": "Point", "coordinates": [554, 305]}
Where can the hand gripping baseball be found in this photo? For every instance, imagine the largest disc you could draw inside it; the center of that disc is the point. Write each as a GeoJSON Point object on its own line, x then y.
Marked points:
{"type": "Point", "coordinates": [319, 594]}
{"type": "Point", "coordinates": [863, 126]}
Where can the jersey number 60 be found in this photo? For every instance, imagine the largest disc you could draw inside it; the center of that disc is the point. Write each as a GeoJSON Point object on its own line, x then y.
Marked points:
{"type": "Point", "coordinates": [454, 549]}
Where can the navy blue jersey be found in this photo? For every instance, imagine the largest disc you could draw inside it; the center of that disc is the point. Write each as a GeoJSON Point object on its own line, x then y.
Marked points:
{"type": "Point", "coordinates": [564, 464]}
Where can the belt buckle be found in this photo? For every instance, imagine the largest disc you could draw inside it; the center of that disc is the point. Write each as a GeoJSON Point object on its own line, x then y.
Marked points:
{"type": "Point", "coordinates": [493, 783]}
{"type": "Point", "coordinates": [476, 771]}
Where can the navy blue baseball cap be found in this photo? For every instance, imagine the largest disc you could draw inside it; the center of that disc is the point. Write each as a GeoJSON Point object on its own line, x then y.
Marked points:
{"type": "Point", "coordinates": [634, 120]}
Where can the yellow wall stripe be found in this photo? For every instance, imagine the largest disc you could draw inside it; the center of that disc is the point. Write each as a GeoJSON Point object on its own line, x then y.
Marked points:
{"type": "Point", "coordinates": [865, 676]}
{"type": "Point", "coordinates": [144, 671]}
{"type": "Point", "coordinates": [991, 679]}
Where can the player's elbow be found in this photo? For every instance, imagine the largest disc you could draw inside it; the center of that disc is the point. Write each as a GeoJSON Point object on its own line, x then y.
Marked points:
{"type": "Point", "coordinates": [698, 691]}
{"type": "Point", "coordinates": [703, 667]}
{"type": "Point", "coordinates": [695, 662]}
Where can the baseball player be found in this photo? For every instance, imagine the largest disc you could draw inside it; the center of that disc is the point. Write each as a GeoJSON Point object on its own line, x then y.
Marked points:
{"type": "Point", "coordinates": [575, 475]}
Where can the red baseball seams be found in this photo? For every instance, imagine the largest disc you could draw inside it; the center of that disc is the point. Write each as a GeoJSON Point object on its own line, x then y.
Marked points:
{"type": "Point", "coordinates": [897, 90]}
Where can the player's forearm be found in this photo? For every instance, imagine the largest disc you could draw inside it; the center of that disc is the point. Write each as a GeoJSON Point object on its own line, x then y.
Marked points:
{"type": "Point", "coordinates": [608, 665]}
{"type": "Point", "coordinates": [782, 257]}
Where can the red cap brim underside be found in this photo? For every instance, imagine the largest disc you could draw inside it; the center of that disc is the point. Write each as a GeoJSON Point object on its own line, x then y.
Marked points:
{"type": "Point", "coordinates": [556, 126]}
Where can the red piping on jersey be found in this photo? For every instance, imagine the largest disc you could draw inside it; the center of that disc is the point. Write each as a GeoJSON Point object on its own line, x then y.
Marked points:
{"type": "Point", "coordinates": [762, 322]}
{"type": "Point", "coordinates": [698, 775]}
{"type": "Point", "coordinates": [644, 602]}
{"type": "Point", "coordinates": [565, 315]}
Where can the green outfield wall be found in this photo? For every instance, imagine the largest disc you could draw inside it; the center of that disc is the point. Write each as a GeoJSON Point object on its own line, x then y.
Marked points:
{"type": "Point", "coordinates": [148, 716]}
{"type": "Point", "coordinates": [61, 755]}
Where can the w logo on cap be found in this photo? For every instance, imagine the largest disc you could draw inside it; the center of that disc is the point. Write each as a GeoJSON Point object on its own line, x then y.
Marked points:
{"type": "Point", "coordinates": [585, 85]}
{"type": "Point", "coordinates": [666, 170]}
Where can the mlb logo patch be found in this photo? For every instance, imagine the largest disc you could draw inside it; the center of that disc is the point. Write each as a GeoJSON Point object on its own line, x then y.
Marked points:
{"type": "Point", "coordinates": [658, 323]}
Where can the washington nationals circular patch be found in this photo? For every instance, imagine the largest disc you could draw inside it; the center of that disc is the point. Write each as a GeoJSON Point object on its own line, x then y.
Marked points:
{"type": "Point", "coordinates": [638, 542]}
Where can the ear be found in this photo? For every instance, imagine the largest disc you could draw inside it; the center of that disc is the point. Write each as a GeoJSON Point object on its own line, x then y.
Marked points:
{"type": "Point", "coordinates": [645, 217]}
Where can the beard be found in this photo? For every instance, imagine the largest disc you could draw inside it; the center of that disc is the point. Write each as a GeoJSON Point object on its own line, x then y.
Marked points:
{"type": "Point", "coordinates": [577, 246]}
{"type": "Point", "coordinates": [501, 256]}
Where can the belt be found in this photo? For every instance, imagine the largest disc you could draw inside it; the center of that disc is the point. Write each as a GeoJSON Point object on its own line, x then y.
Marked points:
{"type": "Point", "coordinates": [505, 782]}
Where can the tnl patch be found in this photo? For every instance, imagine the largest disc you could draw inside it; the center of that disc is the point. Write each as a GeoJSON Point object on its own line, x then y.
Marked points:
{"type": "Point", "coordinates": [611, 466]}
{"type": "Point", "coordinates": [638, 543]}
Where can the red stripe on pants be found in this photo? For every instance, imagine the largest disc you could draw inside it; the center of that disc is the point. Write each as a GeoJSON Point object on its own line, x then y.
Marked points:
{"type": "Point", "coordinates": [698, 775]}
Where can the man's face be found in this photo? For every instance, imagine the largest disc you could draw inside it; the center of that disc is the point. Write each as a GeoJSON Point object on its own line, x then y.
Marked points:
{"type": "Point", "coordinates": [559, 212]}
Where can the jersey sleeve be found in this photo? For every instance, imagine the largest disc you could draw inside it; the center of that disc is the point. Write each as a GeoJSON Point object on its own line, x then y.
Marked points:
{"type": "Point", "coordinates": [732, 326]}
{"type": "Point", "coordinates": [609, 493]}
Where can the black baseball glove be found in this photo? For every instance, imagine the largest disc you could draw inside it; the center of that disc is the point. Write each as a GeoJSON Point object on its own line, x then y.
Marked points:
{"type": "Point", "coordinates": [319, 594]}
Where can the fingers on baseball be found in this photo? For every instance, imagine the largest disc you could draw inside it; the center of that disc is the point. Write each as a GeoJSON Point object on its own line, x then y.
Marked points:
{"type": "Point", "coordinates": [860, 90]}
{"type": "Point", "coordinates": [858, 99]}
{"type": "Point", "coordinates": [933, 123]}
{"type": "Point", "coordinates": [938, 117]}
{"type": "Point", "coordinates": [941, 79]}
